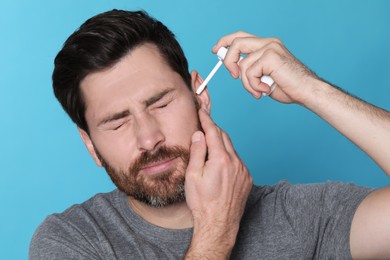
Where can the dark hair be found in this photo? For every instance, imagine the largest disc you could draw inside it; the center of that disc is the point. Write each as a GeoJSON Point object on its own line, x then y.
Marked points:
{"type": "Point", "coordinates": [100, 43]}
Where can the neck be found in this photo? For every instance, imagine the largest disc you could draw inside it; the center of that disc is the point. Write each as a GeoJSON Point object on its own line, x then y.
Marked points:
{"type": "Point", "coordinates": [176, 216]}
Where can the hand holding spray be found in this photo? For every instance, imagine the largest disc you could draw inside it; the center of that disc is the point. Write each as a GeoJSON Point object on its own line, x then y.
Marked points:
{"type": "Point", "coordinates": [221, 56]}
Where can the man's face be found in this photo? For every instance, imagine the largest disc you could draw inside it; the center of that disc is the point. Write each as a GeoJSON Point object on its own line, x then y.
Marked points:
{"type": "Point", "coordinates": [141, 116]}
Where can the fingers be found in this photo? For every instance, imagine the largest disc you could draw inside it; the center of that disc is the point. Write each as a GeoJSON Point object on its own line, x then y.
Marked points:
{"type": "Point", "coordinates": [233, 56]}
{"type": "Point", "coordinates": [197, 154]}
{"type": "Point", "coordinates": [213, 134]}
{"type": "Point", "coordinates": [228, 145]}
{"type": "Point", "coordinates": [243, 43]}
{"type": "Point", "coordinates": [217, 140]}
{"type": "Point", "coordinates": [264, 57]}
{"type": "Point", "coordinates": [256, 65]}
{"type": "Point", "coordinates": [216, 189]}
{"type": "Point", "coordinates": [228, 39]}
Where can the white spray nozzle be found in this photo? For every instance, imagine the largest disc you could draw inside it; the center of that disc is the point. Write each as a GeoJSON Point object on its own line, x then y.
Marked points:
{"type": "Point", "coordinates": [221, 55]}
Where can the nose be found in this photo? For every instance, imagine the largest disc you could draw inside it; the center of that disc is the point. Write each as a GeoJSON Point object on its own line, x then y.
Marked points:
{"type": "Point", "coordinates": [148, 132]}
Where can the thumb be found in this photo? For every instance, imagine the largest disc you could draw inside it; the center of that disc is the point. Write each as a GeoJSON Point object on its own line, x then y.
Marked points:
{"type": "Point", "coordinates": [197, 154]}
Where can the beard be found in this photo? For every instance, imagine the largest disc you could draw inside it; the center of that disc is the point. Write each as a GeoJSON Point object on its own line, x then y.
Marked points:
{"type": "Point", "coordinates": [159, 190]}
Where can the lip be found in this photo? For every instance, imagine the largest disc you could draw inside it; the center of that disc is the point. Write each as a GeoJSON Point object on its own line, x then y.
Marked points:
{"type": "Point", "coordinates": [159, 167]}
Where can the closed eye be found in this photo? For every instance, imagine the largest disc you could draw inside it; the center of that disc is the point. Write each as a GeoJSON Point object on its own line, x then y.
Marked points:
{"type": "Point", "coordinates": [163, 103]}
{"type": "Point", "coordinates": [162, 106]}
{"type": "Point", "coordinates": [117, 125]}
{"type": "Point", "coordinates": [160, 100]}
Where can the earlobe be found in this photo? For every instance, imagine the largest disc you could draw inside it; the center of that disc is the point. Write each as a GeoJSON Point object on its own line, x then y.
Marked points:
{"type": "Point", "coordinates": [90, 146]}
{"type": "Point", "coordinates": [203, 98]}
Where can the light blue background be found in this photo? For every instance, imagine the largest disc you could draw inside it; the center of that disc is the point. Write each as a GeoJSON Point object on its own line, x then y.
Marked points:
{"type": "Point", "coordinates": [45, 167]}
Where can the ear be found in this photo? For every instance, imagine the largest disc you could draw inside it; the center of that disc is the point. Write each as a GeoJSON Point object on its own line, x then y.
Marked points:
{"type": "Point", "coordinates": [203, 98]}
{"type": "Point", "coordinates": [90, 147]}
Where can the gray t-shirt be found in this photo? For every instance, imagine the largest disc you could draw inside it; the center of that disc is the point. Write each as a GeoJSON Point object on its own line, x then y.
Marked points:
{"type": "Point", "coordinates": [280, 222]}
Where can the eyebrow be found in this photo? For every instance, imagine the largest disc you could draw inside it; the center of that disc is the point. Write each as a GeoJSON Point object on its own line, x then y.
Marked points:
{"type": "Point", "coordinates": [150, 101]}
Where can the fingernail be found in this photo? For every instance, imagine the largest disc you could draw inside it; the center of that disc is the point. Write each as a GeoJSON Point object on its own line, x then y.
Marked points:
{"type": "Point", "coordinates": [196, 137]}
{"type": "Point", "coordinates": [256, 95]}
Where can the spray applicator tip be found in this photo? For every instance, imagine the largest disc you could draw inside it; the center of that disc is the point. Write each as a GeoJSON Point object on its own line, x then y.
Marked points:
{"type": "Point", "coordinates": [221, 56]}
{"type": "Point", "coordinates": [206, 81]}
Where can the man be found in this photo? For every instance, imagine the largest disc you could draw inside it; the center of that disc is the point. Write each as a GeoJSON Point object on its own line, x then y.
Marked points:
{"type": "Point", "coordinates": [182, 189]}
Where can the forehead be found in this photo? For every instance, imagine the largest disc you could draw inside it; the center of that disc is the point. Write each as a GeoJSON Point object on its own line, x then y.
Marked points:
{"type": "Point", "coordinates": [133, 79]}
{"type": "Point", "coordinates": [143, 64]}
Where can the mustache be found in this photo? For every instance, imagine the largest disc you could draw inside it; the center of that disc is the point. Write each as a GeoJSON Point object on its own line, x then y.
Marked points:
{"type": "Point", "coordinates": [163, 153]}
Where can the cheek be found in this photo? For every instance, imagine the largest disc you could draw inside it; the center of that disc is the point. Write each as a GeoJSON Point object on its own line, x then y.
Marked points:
{"type": "Point", "coordinates": [117, 150]}
{"type": "Point", "coordinates": [180, 124]}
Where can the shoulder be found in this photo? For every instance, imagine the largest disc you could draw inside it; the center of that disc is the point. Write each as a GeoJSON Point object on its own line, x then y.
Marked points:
{"type": "Point", "coordinates": [71, 232]}
{"type": "Point", "coordinates": [285, 191]}
{"type": "Point", "coordinates": [98, 205]}
{"type": "Point", "coordinates": [303, 202]}
{"type": "Point", "coordinates": [310, 218]}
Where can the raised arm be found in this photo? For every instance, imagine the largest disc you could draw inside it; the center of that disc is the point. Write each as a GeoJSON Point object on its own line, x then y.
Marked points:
{"type": "Point", "coordinates": [364, 124]}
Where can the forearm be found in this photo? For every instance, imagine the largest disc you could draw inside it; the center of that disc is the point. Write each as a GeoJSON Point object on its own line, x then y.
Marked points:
{"type": "Point", "coordinates": [364, 124]}
{"type": "Point", "coordinates": [212, 241]}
